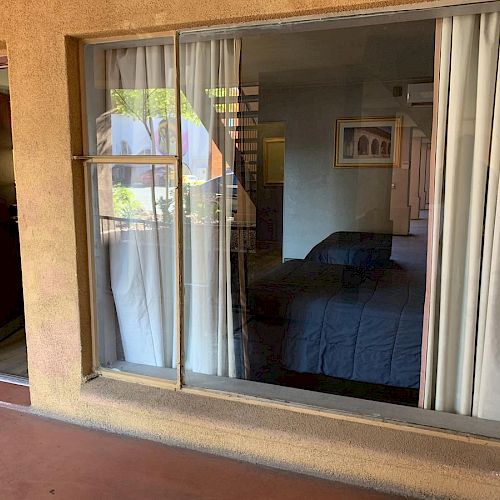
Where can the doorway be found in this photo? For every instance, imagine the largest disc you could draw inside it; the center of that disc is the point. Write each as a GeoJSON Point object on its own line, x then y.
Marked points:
{"type": "Point", "coordinates": [13, 356]}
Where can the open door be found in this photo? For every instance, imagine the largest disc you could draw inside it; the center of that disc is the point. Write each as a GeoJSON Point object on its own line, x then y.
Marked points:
{"type": "Point", "coordinates": [13, 358]}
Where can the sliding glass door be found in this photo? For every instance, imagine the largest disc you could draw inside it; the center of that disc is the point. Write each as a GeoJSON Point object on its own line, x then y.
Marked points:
{"type": "Point", "coordinates": [313, 208]}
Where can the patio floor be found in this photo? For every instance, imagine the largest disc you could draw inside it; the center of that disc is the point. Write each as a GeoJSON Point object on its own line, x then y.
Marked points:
{"type": "Point", "coordinates": [44, 458]}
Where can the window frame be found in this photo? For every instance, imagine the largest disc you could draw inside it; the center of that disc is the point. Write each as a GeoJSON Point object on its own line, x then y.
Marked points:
{"type": "Point", "coordinates": [243, 390]}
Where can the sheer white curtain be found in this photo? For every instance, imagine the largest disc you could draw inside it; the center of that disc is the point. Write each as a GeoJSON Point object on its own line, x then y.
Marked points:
{"type": "Point", "coordinates": [210, 81]}
{"type": "Point", "coordinates": [137, 233]}
{"type": "Point", "coordinates": [463, 362]}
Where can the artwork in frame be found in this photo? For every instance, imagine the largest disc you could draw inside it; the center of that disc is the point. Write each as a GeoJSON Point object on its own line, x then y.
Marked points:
{"type": "Point", "coordinates": [274, 161]}
{"type": "Point", "coordinates": [368, 142]}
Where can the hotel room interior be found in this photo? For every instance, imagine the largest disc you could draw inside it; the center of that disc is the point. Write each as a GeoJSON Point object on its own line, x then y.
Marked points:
{"type": "Point", "coordinates": [318, 161]}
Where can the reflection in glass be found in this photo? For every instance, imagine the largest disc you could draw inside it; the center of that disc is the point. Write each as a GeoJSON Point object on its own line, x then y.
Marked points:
{"type": "Point", "coordinates": [132, 95]}
{"type": "Point", "coordinates": [316, 281]}
{"type": "Point", "coordinates": [134, 255]}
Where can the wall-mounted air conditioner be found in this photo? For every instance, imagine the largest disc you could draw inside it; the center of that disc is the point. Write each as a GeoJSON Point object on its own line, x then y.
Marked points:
{"type": "Point", "coordinates": [420, 94]}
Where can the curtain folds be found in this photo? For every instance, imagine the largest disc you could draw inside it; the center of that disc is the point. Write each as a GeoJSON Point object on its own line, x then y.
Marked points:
{"type": "Point", "coordinates": [138, 234]}
{"type": "Point", "coordinates": [210, 81]}
{"type": "Point", "coordinates": [463, 281]}
{"type": "Point", "coordinates": [486, 401]}
{"type": "Point", "coordinates": [142, 255]}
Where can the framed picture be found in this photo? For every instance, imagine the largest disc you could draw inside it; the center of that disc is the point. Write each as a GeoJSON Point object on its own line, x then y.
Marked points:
{"type": "Point", "coordinates": [274, 160]}
{"type": "Point", "coordinates": [368, 142]}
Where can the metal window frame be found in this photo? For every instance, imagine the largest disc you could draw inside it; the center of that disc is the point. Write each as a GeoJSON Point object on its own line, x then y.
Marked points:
{"type": "Point", "coordinates": [253, 392]}
{"type": "Point", "coordinates": [88, 162]}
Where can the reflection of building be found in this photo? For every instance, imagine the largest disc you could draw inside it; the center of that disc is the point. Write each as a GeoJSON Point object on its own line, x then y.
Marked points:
{"type": "Point", "coordinates": [370, 142]}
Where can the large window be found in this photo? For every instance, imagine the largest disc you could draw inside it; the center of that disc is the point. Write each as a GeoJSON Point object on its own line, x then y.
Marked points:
{"type": "Point", "coordinates": [263, 202]}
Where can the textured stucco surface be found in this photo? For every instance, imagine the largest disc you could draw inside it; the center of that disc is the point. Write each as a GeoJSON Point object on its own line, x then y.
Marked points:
{"type": "Point", "coordinates": [42, 44]}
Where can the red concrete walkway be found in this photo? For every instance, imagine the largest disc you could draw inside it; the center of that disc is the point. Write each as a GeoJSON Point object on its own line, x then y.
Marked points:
{"type": "Point", "coordinates": [14, 394]}
{"type": "Point", "coordinates": [42, 458]}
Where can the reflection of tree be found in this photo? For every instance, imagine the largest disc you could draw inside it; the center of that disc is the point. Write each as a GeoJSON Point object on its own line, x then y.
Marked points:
{"type": "Point", "coordinates": [125, 203]}
{"type": "Point", "coordinates": [146, 104]}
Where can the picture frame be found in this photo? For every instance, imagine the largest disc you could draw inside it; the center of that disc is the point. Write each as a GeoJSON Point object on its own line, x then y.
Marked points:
{"type": "Point", "coordinates": [368, 142]}
{"type": "Point", "coordinates": [274, 161]}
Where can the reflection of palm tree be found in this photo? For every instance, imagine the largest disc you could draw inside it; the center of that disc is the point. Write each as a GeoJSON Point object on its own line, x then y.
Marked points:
{"type": "Point", "coordinates": [144, 115]}
{"type": "Point", "coordinates": [145, 105]}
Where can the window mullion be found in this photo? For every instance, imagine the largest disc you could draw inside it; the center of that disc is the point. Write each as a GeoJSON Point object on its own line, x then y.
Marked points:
{"type": "Point", "coordinates": [179, 331]}
{"type": "Point", "coordinates": [129, 159]}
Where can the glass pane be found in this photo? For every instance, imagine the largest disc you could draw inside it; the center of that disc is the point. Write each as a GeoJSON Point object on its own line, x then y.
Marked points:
{"type": "Point", "coordinates": [131, 98]}
{"type": "Point", "coordinates": [307, 179]}
{"type": "Point", "coordinates": [134, 254]}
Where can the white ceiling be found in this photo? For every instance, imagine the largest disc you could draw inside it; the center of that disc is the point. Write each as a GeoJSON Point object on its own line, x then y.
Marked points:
{"type": "Point", "coordinates": [397, 51]}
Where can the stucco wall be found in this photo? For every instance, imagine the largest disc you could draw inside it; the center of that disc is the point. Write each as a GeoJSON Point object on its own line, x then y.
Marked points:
{"type": "Point", "coordinates": [41, 40]}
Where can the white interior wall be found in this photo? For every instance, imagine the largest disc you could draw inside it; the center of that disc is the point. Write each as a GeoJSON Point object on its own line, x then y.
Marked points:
{"type": "Point", "coordinates": [318, 198]}
{"type": "Point", "coordinates": [310, 79]}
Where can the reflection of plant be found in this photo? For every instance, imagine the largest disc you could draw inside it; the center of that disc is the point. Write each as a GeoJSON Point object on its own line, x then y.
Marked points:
{"type": "Point", "coordinates": [198, 206]}
{"type": "Point", "coordinates": [204, 208]}
{"type": "Point", "coordinates": [125, 203]}
{"type": "Point", "coordinates": [166, 207]}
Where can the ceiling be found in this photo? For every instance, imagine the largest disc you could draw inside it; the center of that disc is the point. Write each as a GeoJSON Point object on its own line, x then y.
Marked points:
{"type": "Point", "coordinates": [388, 52]}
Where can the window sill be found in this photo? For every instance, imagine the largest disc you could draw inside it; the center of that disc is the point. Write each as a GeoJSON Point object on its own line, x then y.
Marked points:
{"type": "Point", "coordinates": [314, 403]}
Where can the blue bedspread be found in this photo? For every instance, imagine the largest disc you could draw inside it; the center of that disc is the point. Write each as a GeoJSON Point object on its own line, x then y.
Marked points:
{"type": "Point", "coordinates": [325, 319]}
{"type": "Point", "coordinates": [353, 248]}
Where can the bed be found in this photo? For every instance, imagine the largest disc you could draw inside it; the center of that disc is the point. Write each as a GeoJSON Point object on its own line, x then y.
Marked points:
{"type": "Point", "coordinates": [361, 323]}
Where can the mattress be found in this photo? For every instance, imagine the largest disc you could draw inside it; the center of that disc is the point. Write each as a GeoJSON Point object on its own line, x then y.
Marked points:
{"type": "Point", "coordinates": [321, 318]}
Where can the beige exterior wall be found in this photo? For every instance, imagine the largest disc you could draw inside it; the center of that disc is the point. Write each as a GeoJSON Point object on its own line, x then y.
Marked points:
{"type": "Point", "coordinates": [42, 44]}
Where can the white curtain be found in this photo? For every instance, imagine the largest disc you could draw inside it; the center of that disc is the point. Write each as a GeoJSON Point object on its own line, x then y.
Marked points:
{"type": "Point", "coordinates": [463, 355]}
{"type": "Point", "coordinates": [142, 263]}
{"type": "Point", "coordinates": [141, 257]}
{"type": "Point", "coordinates": [210, 81]}
{"type": "Point", "coordinates": [137, 231]}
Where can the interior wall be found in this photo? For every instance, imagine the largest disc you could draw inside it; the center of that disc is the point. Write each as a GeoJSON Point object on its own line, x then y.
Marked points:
{"type": "Point", "coordinates": [416, 149]}
{"type": "Point", "coordinates": [318, 198]}
{"type": "Point", "coordinates": [400, 188]}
